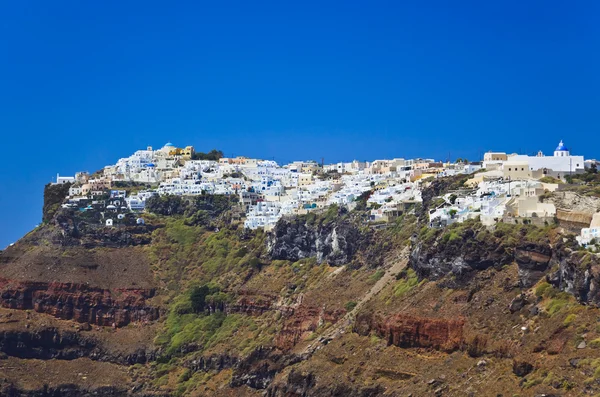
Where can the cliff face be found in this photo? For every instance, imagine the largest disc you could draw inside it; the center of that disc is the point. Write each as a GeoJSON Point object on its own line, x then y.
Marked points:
{"type": "Point", "coordinates": [73, 229]}
{"type": "Point", "coordinates": [66, 390]}
{"type": "Point", "coordinates": [464, 250]}
{"type": "Point", "coordinates": [54, 344]}
{"type": "Point", "coordinates": [334, 242]}
{"type": "Point", "coordinates": [243, 316]}
{"type": "Point", "coordinates": [433, 261]}
{"type": "Point", "coordinates": [410, 331]}
{"type": "Point", "coordinates": [578, 274]}
{"type": "Point", "coordinates": [79, 302]}
{"type": "Point", "coordinates": [533, 262]}
{"type": "Point", "coordinates": [299, 384]}
{"type": "Point", "coordinates": [301, 322]}
{"type": "Point", "coordinates": [53, 198]}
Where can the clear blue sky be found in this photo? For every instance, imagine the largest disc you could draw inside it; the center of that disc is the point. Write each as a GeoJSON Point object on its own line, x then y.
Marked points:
{"type": "Point", "coordinates": [83, 83]}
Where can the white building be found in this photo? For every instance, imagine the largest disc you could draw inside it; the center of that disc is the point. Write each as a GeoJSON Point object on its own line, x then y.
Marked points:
{"type": "Point", "coordinates": [589, 234]}
{"type": "Point", "coordinates": [559, 165]}
{"type": "Point", "coordinates": [64, 179]}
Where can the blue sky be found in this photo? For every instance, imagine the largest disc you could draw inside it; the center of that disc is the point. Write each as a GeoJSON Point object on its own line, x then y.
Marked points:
{"type": "Point", "coordinates": [84, 83]}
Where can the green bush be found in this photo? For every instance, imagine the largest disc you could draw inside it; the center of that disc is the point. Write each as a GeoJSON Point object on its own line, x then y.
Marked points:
{"type": "Point", "coordinates": [198, 298]}
{"type": "Point", "coordinates": [406, 284]}
{"type": "Point", "coordinates": [213, 155]}
{"type": "Point", "coordinates": [558, 302]}
{"type": "Point", "coordinates": [542, 289]}
{"type": "Point", "coordinates": [376, 276]}
{"type": "Point", "coordinates": [569, 319]}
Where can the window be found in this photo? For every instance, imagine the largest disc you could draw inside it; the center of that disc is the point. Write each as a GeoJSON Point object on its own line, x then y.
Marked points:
{"type": "Point", "coordinates": [510, 169]}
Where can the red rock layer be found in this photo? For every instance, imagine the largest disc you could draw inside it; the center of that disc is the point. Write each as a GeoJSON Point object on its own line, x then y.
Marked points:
{"type": "Point", "coordinates": [410, 331]}
{"type": "Point", "coordinates": [304, 320]}
{"type": "Point", "coordinates": [79, 302]}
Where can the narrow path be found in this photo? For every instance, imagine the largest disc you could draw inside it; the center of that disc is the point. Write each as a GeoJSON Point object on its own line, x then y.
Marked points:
{"type": "Point", "coordinates": [339, 327]}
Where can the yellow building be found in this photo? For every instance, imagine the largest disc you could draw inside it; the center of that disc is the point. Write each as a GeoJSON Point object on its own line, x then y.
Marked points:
{"type": "Point", "coordinates": [239, 160]}
{"type": "Point", "coordinates": [305, 179]}
{"type": "Point", "coordinates": [188, 152]}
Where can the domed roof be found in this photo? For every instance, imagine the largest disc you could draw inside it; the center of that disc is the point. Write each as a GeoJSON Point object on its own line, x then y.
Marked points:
{"type": "Point", "coordinates": [561, 147]}
{"type": "Point", "coordinates": [168, 144]}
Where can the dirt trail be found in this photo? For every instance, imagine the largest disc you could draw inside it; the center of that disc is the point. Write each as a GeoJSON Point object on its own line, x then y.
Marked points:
{"type": "Point", "coordinates": [339, 327]}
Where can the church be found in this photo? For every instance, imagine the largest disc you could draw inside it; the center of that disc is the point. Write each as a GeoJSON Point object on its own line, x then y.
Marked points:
{"type": "Point", "coordinates": [561, 164]}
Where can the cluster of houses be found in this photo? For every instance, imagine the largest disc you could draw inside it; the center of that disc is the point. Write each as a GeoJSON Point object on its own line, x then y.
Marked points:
{"type": "Point", "coordinates": [503, 186]}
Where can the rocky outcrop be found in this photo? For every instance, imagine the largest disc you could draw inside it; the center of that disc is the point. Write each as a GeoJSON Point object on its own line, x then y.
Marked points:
{"type": "Point", "coordinates": [522, 368]}
{"type": "Point", "coordinates": [433, 260]}
{"type": "Point", "coordinates": [297, 384]}
{"type": "Point", "coordinates": [575, 203]}
{"type": "Point", "coordinates": [578, 274]}
{"type": "Point", "coordinates": [66, 390]}
{"type": "Point", "coordinates": [54, 194]}
{"type": "Point", "coordinates": [573, 221]}
{"type": "Point", "coordinates": [533, 261]}
{"type": "Point", "coordinates": [215, 362]}
{"type": "Point", "coordinates": [334, 242]}
{"type": "Point", "coordinates": [411, 331]}
{"type": "Point", "coordinates": [52, 344]}
{"type": "Point", "coordinates": [436, 188]}
{"type": "Point", "coordinates": [304, 384]}
{"type": "Point", "coordinates": [478, 249]}
{"type": "Point", "coordinates": [304, 320]}
{"type": "Point", "coordinates": [72, 229]}
{"type": "Point", "coordinates": [258, 369]}
{"type": "Point", "coordinates": [79, 302]}
{"type": "Point", "coordinates": [251, 304]}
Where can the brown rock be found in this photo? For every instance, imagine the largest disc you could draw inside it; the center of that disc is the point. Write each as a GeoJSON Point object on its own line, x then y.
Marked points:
{"type": "Point", "coordinates": [79, 302]}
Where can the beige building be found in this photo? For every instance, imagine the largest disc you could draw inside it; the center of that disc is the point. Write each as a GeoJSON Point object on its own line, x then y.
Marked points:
{"type": "Point", "coordinates": [305, 179]}
{"type": "Point", "coordinates": [527, 207]}
{"type": "Point", "coordinates": [495, 156]}
{"type": "Point", "coordinates": [516, 170]}
{"type": "Point", "coordinates": [188, 152]}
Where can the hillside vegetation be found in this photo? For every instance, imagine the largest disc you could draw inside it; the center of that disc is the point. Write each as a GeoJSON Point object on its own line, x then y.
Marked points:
{"type": "Point", "coordinates": [325, 304]}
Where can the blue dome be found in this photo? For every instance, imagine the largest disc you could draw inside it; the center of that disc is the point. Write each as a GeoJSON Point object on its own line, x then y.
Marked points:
{"type": "Point", "coordinates": [168, 144]}
{"type": "Point", "coordinates": [561, 147]}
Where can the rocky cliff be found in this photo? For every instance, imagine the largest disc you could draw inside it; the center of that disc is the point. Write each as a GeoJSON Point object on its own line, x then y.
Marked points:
{"type": "Point", "coordinates": [470, 247]}
{"type": "Point", "coordinates": [412, 331]}
{"type": "Point", "coordinates": [54, 344]}
{"type": "Point", "coordinates": [578, 274]}
{"type": "Point", "coordinates": [333, 238]}
{"type": "Point", "coordinates": [79, 302]}
{"type": "Point", "coordinates": [88, 230]}
{"type": "Point", "coordinates": [323, 305]}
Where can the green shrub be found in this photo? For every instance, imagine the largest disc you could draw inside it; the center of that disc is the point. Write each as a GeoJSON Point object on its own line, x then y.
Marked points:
{"type": "Point", "coordinates": [198, 298]}
{"type": "Point", "coordinates": [558, 302]}
{"type": "Point", "coordinates": [376, 276]}
{"type": "Point", "coordinates": [406, 284]}
{"type": "Point", "coordinates": [185, 376]}
{"type": "Point", "coordinates": [542, 289]}
{"type": "Point", "coordinates": [350, 305]}
{"type": "Point", "coordinates": [569, 319]}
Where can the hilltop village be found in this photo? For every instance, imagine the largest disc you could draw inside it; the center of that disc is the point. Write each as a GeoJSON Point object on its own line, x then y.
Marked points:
{"type": "Point", "coordinates": [502, 187]}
